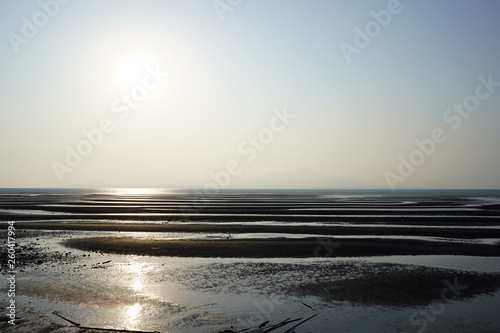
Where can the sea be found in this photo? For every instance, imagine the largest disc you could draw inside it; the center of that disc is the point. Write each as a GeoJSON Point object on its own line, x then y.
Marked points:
{"type": "Point", "coordinates": [320, 207]}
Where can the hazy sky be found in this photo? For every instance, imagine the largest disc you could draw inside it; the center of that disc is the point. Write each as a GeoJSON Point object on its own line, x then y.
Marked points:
{"type": "Point", "coordinates": [261, 93]}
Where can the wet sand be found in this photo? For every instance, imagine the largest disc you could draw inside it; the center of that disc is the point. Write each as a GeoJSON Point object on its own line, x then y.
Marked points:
{"type": "Point", "coordinates": [239, 206]}
{"type": "Point", "coordinates": [334, 283]}
{"type": "Point", "coordinates": [269, 248]}
{"type": "Point", "coordinates": [276, 248]}
{"type": "Point", "coordinates": [101, 242]}
{"type": "Point", "coordinates": [386, 284]}
{"type": "Point", "coordinates": [449, 232]}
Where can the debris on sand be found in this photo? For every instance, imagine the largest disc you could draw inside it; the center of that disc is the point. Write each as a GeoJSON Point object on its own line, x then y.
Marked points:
{"type": "Point", "coordinates": [266, 327]}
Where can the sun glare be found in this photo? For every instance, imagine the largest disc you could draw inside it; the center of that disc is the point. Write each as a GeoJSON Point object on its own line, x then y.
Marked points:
{"type": "Point", "coordinates": [131, 71]}
{"type": "Point", "coordinates": [138, 191]}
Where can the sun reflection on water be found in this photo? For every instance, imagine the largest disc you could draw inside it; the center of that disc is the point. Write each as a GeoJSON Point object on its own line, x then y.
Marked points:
{"type": "Point", "coordinates": [134, 275]}
{"type": "Point", "coordinates": [137, 284]}
{"type": "Point", "coordinates": [132, 316]}
{"type": "Point", "coordinates": [140, 191]}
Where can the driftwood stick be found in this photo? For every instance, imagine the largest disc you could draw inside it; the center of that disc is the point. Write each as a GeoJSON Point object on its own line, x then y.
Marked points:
{"type": "Point", "coordinates": [269, 328]}
{"type": "Point", "coordinates": [278, 325]}
{"type": "Point", "coordinates": [303, 321]}
{"type": "Point", "coordinates": [74, 323]}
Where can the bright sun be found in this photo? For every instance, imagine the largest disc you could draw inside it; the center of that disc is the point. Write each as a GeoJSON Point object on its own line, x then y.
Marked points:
{"type": "Point", "coordinates": [131, 71]}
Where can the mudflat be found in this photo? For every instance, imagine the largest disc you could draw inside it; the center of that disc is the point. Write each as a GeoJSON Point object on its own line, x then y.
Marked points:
{"type": "Point", "coordinates": [280, 248]}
